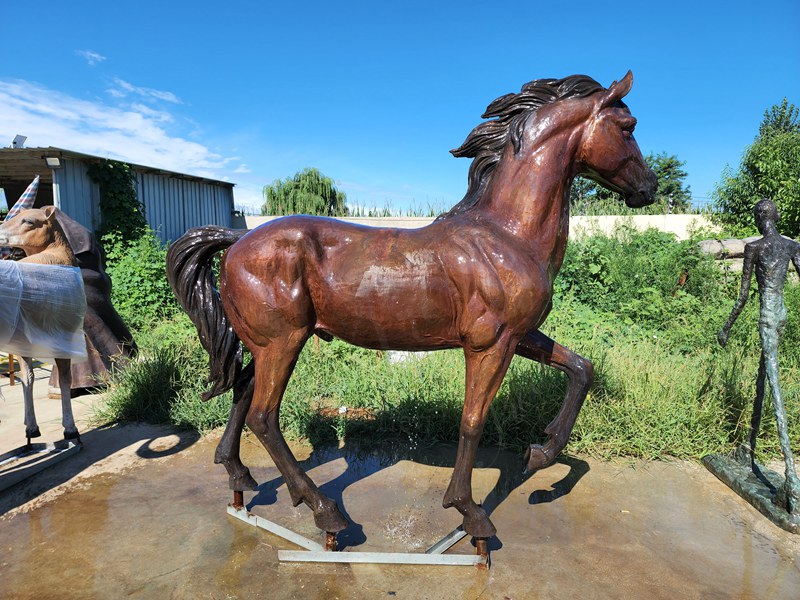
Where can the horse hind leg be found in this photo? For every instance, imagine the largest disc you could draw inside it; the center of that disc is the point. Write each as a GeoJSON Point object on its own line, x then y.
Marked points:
{"type": "Point", "coordinates": [273, 367]}
{"type": "Point", "coordinates": [227, 453]}
{"type": "Point", "coordinates": [580, 372]}
{"type": "Point", "coordinates": [26, 373]}
{"type": "Point", "coordinates": [65, 385]}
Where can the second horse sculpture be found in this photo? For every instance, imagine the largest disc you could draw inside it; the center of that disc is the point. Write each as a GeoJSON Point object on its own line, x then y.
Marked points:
{"type": "Point", "coordinates": [479, 278]}
{"type": "Point", "coordinates": [44, 304]}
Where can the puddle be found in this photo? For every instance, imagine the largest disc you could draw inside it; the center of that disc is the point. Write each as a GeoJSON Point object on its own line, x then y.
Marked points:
{"type": "Point", "coordinates": [578, 529]}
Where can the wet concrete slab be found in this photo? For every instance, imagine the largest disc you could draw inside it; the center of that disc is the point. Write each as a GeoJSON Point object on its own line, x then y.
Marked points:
{"type": "Point", "coordinates": [157, 528]}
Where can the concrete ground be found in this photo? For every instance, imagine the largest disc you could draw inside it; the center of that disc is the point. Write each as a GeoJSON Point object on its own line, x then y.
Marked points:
{"type": "Point", "coordinates": [140, 512]}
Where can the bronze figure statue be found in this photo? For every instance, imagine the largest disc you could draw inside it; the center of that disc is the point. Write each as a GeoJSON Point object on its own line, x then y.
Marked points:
{"type": "Point", "coordinates": [479, 278]}
{"type": "Point", "coordinates": [769, 257]}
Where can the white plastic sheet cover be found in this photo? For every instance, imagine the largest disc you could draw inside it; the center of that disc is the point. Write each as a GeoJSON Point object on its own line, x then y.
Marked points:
{"type": "Point", "coordinates": [41, 311]}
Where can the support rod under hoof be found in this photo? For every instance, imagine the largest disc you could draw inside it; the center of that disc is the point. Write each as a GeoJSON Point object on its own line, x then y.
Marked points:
{"type": "Point", "coordinates": [238, 499]}
{"type": "Point", "coordinates": [331, 545]}
{"type": "Point", "coordinates": [481, 548]}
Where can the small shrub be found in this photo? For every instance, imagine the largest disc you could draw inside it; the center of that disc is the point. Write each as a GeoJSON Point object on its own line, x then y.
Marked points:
{"type": "Point", "coordinates": [140, 290]}
{"type": "Point", "coordinates": [164, 383]}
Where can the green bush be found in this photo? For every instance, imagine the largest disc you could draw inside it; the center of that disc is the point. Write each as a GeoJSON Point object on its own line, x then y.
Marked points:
{"type": "Point", "coordinates": [140, 292]}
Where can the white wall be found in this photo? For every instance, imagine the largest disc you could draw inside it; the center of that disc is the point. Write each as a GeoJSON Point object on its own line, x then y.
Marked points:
{"type": "Point", "coordinates": [680, 225]}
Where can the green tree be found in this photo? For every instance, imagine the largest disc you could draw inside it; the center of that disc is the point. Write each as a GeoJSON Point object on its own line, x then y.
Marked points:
{"type": "Point", "coordinates": [309, 192]}
{"type": "Point", "coordinates": [672, 194]}
{"type": "Point", "coordinates": [770, 168]}
{"type": "Point", "coordinates": [780, 118]}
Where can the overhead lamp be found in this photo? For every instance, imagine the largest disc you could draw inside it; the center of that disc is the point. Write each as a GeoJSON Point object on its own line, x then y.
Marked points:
{"type": "Point", "coordinates": [53, 162]}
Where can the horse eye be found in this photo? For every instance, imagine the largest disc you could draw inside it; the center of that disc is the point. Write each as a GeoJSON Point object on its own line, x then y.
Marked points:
{"type": "Point", "coordinates": [27, 221]}
{"type": "Point", "coordinates": [628, 125]}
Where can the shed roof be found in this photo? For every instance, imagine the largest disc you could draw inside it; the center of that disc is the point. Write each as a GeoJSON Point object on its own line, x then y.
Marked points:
{"type": "Point", "coordinates": [20, 165]}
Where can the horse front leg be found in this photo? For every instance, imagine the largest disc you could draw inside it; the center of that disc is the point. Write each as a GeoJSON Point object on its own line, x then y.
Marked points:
{"type": "Point", "coordinates": [26, 373]}
{"type": "Point", "coordinates": [484, 374]}
{"type": "Point", "coordinates": [580, 373]}
{"type": "Point", "coordinates": [273, 367]}
{"type": "Point", "coordinates": [64, 367]}
{"type": "Point", "coordinates": [227, 453]}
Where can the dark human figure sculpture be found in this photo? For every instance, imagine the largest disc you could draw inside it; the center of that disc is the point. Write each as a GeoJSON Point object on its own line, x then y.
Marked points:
{"type": "Point", "coordinates": [108, 339]}
{"type": "Point", "coordinates": [479, 278]}
{"type": "Point", "coordinates": [769, 257]}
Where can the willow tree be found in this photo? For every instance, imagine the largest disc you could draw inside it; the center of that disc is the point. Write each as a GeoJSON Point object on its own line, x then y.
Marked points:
{"type": "Point", "coordinates": [309, 192]}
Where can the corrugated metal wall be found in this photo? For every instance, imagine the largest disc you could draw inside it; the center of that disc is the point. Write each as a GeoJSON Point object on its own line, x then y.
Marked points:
{"type": "Point", "coordinates": [76, 194]}
{"type": "Point", "coordinates": [172, 205]}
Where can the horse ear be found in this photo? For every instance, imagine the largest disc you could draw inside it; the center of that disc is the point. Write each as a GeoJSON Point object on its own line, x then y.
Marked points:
{"type": "Point", "coordinates": [50, 213]}
{"type": "Point", "coordinates": [617, 91]}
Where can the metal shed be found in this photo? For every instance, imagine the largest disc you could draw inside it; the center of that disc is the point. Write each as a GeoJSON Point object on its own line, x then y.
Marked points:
{"type": "Point", "coordinates": [173, 202]}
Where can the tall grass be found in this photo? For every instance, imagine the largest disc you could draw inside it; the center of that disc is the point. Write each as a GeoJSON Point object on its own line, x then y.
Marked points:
{"type": "Point", "coordinates": [644, 307]}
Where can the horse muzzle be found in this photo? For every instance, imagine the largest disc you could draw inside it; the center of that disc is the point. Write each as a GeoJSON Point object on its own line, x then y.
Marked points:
{"type": "Point", "coordinates": [645, 195]}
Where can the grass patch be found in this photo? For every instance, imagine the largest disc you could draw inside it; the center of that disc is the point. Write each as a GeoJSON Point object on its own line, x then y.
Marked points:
{"type": "Point", "coordinates": [643, 307]}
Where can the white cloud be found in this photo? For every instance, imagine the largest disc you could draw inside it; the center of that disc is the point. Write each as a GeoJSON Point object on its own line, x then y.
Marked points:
{"type": "Point", "coordinates": [133, 133]}
{"type": "Point", "coordinates": [242, 169]}
{"type": "Point", "coordinates": [123, 89]}
{"type": "Point", "coordinates": [156, 115]}
{"type": "Point", "coordinates": [91, 57]}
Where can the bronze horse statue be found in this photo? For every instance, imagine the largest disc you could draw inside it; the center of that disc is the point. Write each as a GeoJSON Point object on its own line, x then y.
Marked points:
{"type": "Point", "coordinates": [480, 278]}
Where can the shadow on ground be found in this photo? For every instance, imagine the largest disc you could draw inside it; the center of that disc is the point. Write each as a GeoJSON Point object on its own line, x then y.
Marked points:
{"type": "Point", "coordinates": [364, 460]}
{"type": "Point", "coordinates": [99, 444]}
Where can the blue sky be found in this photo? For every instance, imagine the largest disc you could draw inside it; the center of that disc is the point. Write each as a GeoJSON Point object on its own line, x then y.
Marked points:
{"type": "Point", "coordinates": [376, 94]}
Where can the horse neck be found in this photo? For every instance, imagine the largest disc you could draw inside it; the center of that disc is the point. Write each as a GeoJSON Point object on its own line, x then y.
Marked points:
{"type": "Point", "coordinates": [529, 196]}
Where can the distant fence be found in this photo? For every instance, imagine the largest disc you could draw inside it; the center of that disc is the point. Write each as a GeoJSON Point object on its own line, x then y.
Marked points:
{"type": "Point", "coordinates": [680, 225]}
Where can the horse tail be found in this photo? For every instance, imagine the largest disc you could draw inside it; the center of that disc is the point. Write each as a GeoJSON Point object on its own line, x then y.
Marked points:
{"type": "Point", "coordinates": [190, 271]}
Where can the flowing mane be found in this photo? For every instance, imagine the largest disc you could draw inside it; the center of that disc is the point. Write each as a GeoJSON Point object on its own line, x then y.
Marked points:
{"type": "Point", "coordinates": [509, 114]}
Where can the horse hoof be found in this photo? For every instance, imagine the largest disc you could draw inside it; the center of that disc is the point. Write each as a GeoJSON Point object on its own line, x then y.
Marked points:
{"type": "Point", "coordinates": [536, 457]}
{"type": "Point", "coordinates": [479, 525]}
{"type": "Point", "coordinates": [241, 483]}
{"type": "Point", "coordinates": [33, 433]}
{"type": "Point", "coordinates": [329, 518]}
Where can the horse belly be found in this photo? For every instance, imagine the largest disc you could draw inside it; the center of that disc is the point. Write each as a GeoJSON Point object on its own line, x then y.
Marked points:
{"type": "Point", "coordinates": [404, 305]}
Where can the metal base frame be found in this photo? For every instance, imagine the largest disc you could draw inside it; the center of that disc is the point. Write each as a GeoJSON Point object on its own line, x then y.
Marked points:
{"type": "Point", "coordinates": [315, 552]}
{"type": "Point", "coordinates": [41, 455]}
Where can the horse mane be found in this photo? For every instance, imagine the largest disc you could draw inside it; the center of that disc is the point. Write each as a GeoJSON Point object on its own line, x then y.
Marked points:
{"type": "Point", "coordinates": [508, 116]}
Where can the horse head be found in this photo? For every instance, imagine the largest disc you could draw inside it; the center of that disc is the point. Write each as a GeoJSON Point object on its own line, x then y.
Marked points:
{"type": "Point", "coordinates": [36, 230]}
{"type": "Point", "coordinates": [608, 152]}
